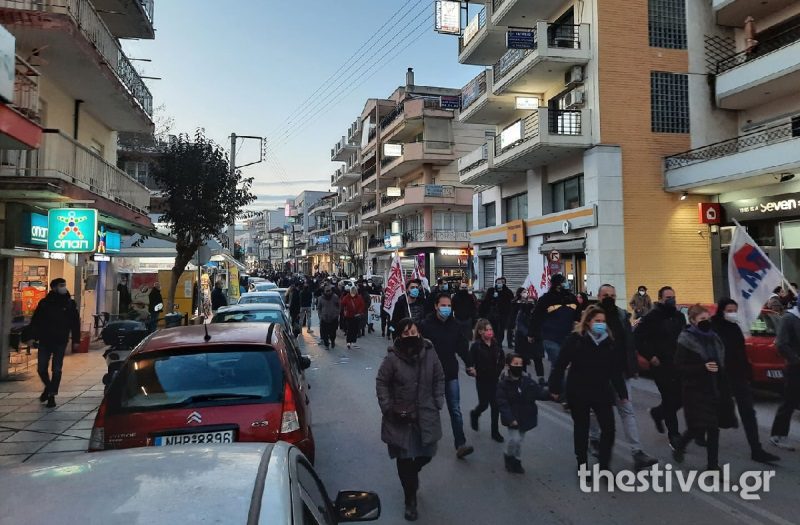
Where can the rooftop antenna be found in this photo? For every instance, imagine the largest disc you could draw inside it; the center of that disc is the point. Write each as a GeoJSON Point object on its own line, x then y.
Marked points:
{"type": "Point", "coordinates": [206, 337]}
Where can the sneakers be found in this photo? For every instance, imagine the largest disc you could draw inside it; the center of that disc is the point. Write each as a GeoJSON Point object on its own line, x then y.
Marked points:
{"type": "Point", "coordinates": [333, 345]}
{"type": "Point", "coordinates": [658, 421]}
{"type": "Point", "coordinates": [498, 437]}
{"type": "Point", "coordinates": [762, 456]}
{"type": "Point", "coordinates": [464, 451]}
{"type": "Point", "coordinates": [782, 442]}
{"type": "Point", "coordinates": [43, 397]}
{"type": "Point", "coordinates": [51, 401]}
{"type": "Point", "coordinates": [642, 460]}
{"type": "Point", "coordinates": [473, 420]}
{"type": "Point", "coordinates": [675, 441]}
{"type": "Point", "coordinates": [594, 447]}
{"type": "Point", "coordinates": [349, 346]}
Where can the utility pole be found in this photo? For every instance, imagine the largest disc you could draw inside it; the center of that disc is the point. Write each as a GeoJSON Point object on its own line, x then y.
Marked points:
{"type": "Point", "coordinates": [234, 167]}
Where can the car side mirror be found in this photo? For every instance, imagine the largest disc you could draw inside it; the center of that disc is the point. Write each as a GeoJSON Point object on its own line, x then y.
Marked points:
{"type": "Point", "coordinates": [305, 362]}
{"type": "Point", "coordinates": [356, 505]}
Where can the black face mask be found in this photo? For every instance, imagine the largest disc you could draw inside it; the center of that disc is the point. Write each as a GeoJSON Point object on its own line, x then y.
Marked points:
{"type": "Point", "coordinates": [515, 371]}
{"type": "Point", "coordinates": [410, 345]}
{"type": "Point", "coordinates": [704, 325]}
{"type": "Point", "coordinates": [608, 303]}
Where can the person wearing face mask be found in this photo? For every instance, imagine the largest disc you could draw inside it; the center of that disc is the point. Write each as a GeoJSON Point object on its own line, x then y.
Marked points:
{"type": "Point", "coordinates": [442, 287]}
{"type": "Point", "coordinates": [656, 338]}
{"type": "Point", "coordinates": [448, 340]}
{"type": "Point", "coordinates": [465, 308]}
{"type": "Point", "coordinates": [524, 342]}
{"type": "Point", "coordinates": [640, 303]}
{"type": "Point", "coordinates": [496, 307]}
{"type": "Point", "coordinates": [595, 376]}
{"type": "Point", "coordinates": [707, 403]}
{"type": "Point", "coordinates": [329, 308]}
{"type": "Point", "coordinates": [411, 426]}
{"type": "Point", "coordinates": [517, 394]}
{"type": "Point", "coordinates": [725, 323]}
{"type": "Point", "coordinates": [410, 305]}
{"type": "Point", "coordinates": [489, 360]}
{"type": "Point", "coordinates": [554, 317]}
{"type": "Point", "coordinates": [54, 320]}
{"type": "Point", "coordinates": [353, 310]}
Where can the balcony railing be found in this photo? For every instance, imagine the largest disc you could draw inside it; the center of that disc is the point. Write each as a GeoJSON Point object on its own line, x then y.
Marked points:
{"type": "Point", "coordinates": [474, 159]}
{"type": "Point", "coordinates": [147, 5]}
{"type": "Point", "coordinates": [367, 173]}
{"type": "Point", "coordinates": [472, 29]}
{"type": "Point", "coordinates": [757, 139]}
{"type": "Point", "coordinates": [386, 200]}
{"type": "Point", "coordinates": [368, 207]}
{"type": "Point", "coordinates": [61, 157]}
{"type": "Point", "coordinates": [565, 36]}
{"type": "Point", "coordinates": [388, 119]}
{"type": "Point", "coordinates": [790, 36]}
{"type": "Point", "coordinates": [26, 90]}
{"type": "Point", "coordinates": [95, 30]}
{"type": "Point", "coordinates": [473, 90]}
{"type": "Point", "coordinates": [436, 235]}
{"type": "Point", "coordinates": [560, 122]}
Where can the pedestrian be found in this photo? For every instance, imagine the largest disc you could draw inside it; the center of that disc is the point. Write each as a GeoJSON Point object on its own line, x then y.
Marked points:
{"type": "Point", "coordinates": [410, 304]}
{"type": "Point", "coordinates": [353, 310]}
{"type": "Point", "coordinates": [656, 340]}
{"type": "Point", "coordinates": [640, 303]}
{"type": "Point", "coordinates": [595, 373]}
{"type": "Point", "coordinates": [619, 328]}
{"type": "Point", "coordinates": [517, 394]}
{"type": "Point", "coordinates": [218, 299]}
{"type": "Point", "coordinates": [707, 401]}
{"type": "Point", "coordinates": [496, 307]}
{"type": "Point", "coordinates": [448, 340]}
{"type": "Point", "coordinates": [465, 307]}
{"type": "Point", "coordinates": [54, 321]}
{"type": "Point", "coordinates": [306, 301]}
{"type": "Point", "coordinates": [775, 301]}
{"type": "Point", "coordinates": [488, 359]}
{"type": "Point", "coordinates": [411, 425]}
{"type": "Point", "coordinates": [521, 321]}
{"type": "Point", "coordinates": [512, 316]}
{"type": "Point", "coordinates": [385, 331]}
{"type": "Point", "coordinates": [554, 317]}
{"type": "Point", "coordinates": [363, 291]}
{"type": "Point", "coordinates": [328, 306]}
{"type": "Point", "coordinates": [739, 373]}
{"type": "Point", "coordinates": [125, 299]}
{"type": "Point", "coordinates": [788, 344]}
{"type": "Point", "coordinates": [293, 302]}
{"type": "Point", "coordinates": [155, 305]}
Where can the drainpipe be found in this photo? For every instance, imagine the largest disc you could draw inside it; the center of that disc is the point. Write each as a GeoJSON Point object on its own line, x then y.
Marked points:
{"type": "Point", "coordinates": [76, 119]}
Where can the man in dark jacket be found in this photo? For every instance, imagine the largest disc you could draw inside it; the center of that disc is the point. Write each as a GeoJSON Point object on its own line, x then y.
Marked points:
{"type": "Point", "coordinates": [656, 340]}
{"type": "Point", "coordinates": [306, 301]}
{"type": "Point", "coordinates": [410, 304]}
{"type": "Point", "coordinates": [329, 309]}
{"type": "Point", "coordinates": [554, 317]}
{"type": "Point", "coordinates": [465, 308]}
{"type": "Point", "coordinates": [788, 343]}
{"type": "Point", "coordinates": [448, 340]}
{"type": "Point", "coordinates": [55, 319]}
{"type": "Point", "coordinates": [496, 307]}
{"type": "Point", "coordinates": [154, 300]}
{"type": "Point", "coordinates": [218, 299]}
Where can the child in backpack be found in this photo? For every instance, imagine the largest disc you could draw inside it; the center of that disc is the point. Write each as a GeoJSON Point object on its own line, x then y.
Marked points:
{"type": "Point", "coordinates": [517, 394]}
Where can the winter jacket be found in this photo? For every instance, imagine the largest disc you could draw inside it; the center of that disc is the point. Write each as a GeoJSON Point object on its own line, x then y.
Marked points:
{"type": "Point", "coordinates": [352, 306]}
{"type": "Point", "coordinates": [410, 383]}
{"type": "Point", "coordinates": [496, 306]}
{"type": "Point", "coordinates": [293, 297]}
{"type": "Point", "coordinates": [448, 340]}
{"type": "Point", "coordinates": [402, 307]}
{"type": "Point", "coordinates": [328, 308]}
{"type": "Point", "coordinates": [218, 298]}
{"type": "Point", "coordinates": [465, 307]}
{"type": "Point", "coordinates": [707, 401]}
{"type": "Point", "coordinates": [737, 366]}
{"type": "Point", "coordinates": [55, 319]}
{"type": "Point", "coordinates": [622, 333]}
{"type": "Point", "coordinates": [489, 361]}
{"type": "Point", "coordinates": [657, 333]}
{"type": "Point", "coordinates": [641, 305]}
{"type": "Point", "coordinates": [516, 401]}
{"type": "Point", "coordinates": [154, 299]}
{"type": "Point", "coordinates": [595, 370]}
{"type": "Point", "coordinates": [788, 339]}
{"type": "Point", "coordinates": [555, 316]}
{"type": "Point", "coordinates": [306, 297]}
{"type": "Point", "coordinates": [775, 304]}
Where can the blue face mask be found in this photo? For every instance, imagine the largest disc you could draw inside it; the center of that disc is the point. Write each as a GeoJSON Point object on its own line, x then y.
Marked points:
{"type": "Point", "coordinates": [445, 287]}
{"type": "Point", "coordinates": [599, 328]}
{"type": "Point", "coordinates": [445, 311]}
{"type": "Point", "coordinates": [414, 292]}
{"type": "Point", "coordinates": [499, 286]}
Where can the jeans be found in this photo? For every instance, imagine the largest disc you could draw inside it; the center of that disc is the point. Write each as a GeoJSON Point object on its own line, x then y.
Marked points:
{"type": "Point", "coordinates": [744, 402]}
{"type": "Point", "coordinates": [791, 401]}
{"type": "Point", "coordinates": [327, 331]}
{"type": "Point", "coordinates": [580, 417]}
{"type": "Point", "coordinates": [305, 317]}
{"type": "Point", "coordinates": [46, 351]}
{"type": "Point", "coordinates": [452, 396]}
{"type": "Point", "coordinates": [487, 391]}
{"type": "Point", "coordinates": [670, 389]}
{"type": "Point", "coordinates": [552, 349]}
{"type": "Point", "coordinates": [628, 417]}
{"type": "Point", "coordinates": [514, 443]}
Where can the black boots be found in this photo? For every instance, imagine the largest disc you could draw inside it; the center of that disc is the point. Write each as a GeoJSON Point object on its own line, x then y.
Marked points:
{"type": "Point", "coordinates": [513, 465]}
{"type": "Point", "coordinates": [51, 401]}
{"type": "Point", "coordinates": [43, 397]}
{"type": "Point", "coordinates": [411, 508]}
{"type": "Point", "coordinates": [473, 420]}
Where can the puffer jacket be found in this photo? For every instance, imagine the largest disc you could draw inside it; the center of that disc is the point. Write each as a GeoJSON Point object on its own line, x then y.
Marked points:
{"type": "Point", "coordinates": [406, 381]}
{"type": "Point", "coordinates": [328, 308]}
{"type": "Point", "coordinates": [516, 401]}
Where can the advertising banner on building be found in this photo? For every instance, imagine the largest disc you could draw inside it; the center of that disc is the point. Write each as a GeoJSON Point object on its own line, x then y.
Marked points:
{"type": "Point", "coordinates": [72, 230]}
{"type": "Point", "coordinates": [448, 17]}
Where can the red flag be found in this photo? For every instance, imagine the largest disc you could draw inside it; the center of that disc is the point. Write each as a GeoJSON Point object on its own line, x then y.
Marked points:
{"type": "Point", "coordinates": [531, 287]}
{"type": "Point", "coordinates": [394, 286]}
{"type": "Point", "coordinates": [419, 273]}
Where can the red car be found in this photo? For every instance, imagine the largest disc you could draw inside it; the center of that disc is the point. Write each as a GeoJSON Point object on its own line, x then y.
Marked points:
{"type": "Point", "coordinates": [762, 353]}
{"type": "Point", "coordinates": [218, 383]}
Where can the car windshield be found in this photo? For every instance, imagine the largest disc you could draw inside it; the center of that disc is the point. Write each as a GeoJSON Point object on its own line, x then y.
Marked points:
{"type": "Point", "coordinates": [263, 287]}
{"type": "Point", "coordinates": [261, 299]}
{"type": "Point", "coordinates": [766, 324]}
{"type": "Point", "coordinates": [257, 316]}
{"type": "Point", "coordinates": [197, 378]}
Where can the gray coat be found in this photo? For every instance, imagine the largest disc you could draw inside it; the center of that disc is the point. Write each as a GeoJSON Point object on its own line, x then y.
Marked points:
{"type": "Point", "coordinates": [328, 308]}
{"type": "Point", "coordinates": [788, 338]}
{"type": "Point", "coordinates": [406, 381]}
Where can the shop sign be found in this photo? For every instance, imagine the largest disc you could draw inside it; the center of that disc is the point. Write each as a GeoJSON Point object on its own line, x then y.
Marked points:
{"type": "Point", "coordinates": [710, 213]}
{"type": "Point", "coordinates": [786, 205]}
{"type": "Point", "coordinates": [450, 102]}
{"type": "Point", "coordinates": [34, 229]}
{"type": "Point", "coordinates": [108, 241]}
{"type": "Point", "coordinates": [448, 17]}
{"type": "Point", "coordinates": [521, 39]}
{"type": "Point", "coordinates": [392, 241]}
{"type": "Point", "coordinates": [511, 135]}
{"type": "Point", "coordinates": [392, 150]}
{"type": "Point", "coordinates": [515, 233]}
{"type": "Point", "coordinates": [453, 252]}
{"type": "Point", "coordinates": [323, 239]}
{"type": "Point", "coordinates": [72, 230]}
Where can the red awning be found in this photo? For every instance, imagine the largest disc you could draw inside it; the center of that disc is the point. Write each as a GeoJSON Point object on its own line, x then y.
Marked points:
{"type": "Point", "coordinates": [18, 132]}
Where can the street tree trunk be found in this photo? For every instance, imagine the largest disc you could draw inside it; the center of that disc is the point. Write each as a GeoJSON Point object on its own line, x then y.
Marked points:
{"type": "Point", "coordinates": [185, 251]}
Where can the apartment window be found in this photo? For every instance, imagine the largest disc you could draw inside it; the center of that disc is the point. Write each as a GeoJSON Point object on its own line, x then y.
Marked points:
{"type": "Point", "coordinates": [516, 207]}
{"type": "Point", "coordinates": [669, 97]}
{"type": "Point", "coordinates": [138, 170]}
{"type": "Point", "coordinates": [667, 23]}
{"type": "Point", "coordinates": [567, 194]}
{"type": "Point", "coordinates": [450, 221]}
{"type": "Point", "coordinates": [488, 215]}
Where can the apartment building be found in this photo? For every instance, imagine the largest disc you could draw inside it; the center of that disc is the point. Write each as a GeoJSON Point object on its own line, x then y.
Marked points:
{"type": "Point", "coordinates": [326, 250]}
{"type": "Point", "coordinates": [300, 222]}
{"type": "Point", "coordinates": [586, 98]}
{"type": "Point", "coordinates": [400, 186]}
{"type": "Point", "coordinates": [70, 89]}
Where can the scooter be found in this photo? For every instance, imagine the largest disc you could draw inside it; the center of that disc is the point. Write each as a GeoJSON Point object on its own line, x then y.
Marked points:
{"type": "Point", "coordinates": [121, 338]}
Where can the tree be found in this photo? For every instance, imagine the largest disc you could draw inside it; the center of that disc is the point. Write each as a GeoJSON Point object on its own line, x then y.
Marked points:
{"type": "Point", "coordinates": [201, 196]}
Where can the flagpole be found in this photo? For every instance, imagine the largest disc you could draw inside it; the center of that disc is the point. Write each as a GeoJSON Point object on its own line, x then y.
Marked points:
{"type": "Point", "coordinates": [403, 283]}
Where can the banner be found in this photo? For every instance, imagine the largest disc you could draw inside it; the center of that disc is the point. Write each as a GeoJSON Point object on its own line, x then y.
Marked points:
{"type": "Point", "coordinates": [374, 312]}
{"type": "Point", "coordinates": [529, 285]}
{"type": "Point", "coordinates": [394, 286]}
{"type": "Point", "coordinates": [419, 273]}
{"type": "Point", "coordinates": [751, 275]}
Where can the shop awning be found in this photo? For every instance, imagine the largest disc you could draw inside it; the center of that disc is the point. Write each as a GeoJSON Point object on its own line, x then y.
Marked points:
{"type": "Point", "coordinates": [224, 257]}
{"type": "Point", "coordinates": [573, 246]}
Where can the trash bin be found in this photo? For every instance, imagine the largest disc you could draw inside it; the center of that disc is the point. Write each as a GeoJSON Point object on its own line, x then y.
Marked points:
{"type": "Point", "coordinates": [83, 346]}
{"type": "Point", "coordinates": [172, 320]}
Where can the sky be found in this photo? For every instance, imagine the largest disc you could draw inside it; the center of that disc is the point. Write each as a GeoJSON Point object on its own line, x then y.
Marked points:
{"type": "Point", "coordinates": [294, 71]}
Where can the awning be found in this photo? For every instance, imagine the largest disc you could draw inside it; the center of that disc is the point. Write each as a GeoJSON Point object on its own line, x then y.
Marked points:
{"type": "Point", "coordinates": [573, 246]}
{"type": "Point", "coordinates": [224, 257]}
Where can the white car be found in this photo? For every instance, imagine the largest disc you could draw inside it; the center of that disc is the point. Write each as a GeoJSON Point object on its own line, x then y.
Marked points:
{"type": "Point", "coordinates": [272, 296]}
{"type": "Point", "coordinates": [264, 286]}
{"type": "Point", "coordinates": [261, 483]}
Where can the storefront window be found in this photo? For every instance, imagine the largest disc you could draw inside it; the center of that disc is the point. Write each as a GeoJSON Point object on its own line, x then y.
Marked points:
{"type": "Point", "coordinates": [567, 194]}
{"type": "Point", "coordinates": [790, 250]}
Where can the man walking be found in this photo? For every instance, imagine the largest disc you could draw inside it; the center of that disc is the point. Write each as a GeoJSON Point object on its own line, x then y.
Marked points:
{"type": "Point", "coordinates": [447, 336]}
{"type": "Point", "coordinates": [156, 304]}
{"type": "Point", "coordinates": [496, 307]}
{"type": "Point", "coordinates": [410, 305]}
{"type": "Point", "coordinates": [218, 299]}
{"type": "Point", "coordinates": [554, 317]}
{"type": "Point", "coordinates": [55, 319]}
{"type": "Point", "coordinates": [788, 343]}
{"type": "Point", "coordinates": [306, 300]}
{"type": "Point", "coordinates": [328, 306]}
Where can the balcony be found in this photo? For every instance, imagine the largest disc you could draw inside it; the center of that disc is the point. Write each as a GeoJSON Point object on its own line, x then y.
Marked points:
{"type": "Point", "coordinates": [127, 18]}
{"type": "Point", "coordinates": [418, 196]}
{"type": "Point", "coordinates": [733, 12]}
{"type": "Point", "coordinates": [345, 176]}
{"type": "Point", "coordinates": [81, 56]}
{"type": "Point", "coordinates": [479, 104]}
{"type": "Point", "coordinates": [749, 160]}
{"type": "Point", "coordinates": [436, 238]}
{"type": "Point", "coordinates": [415, 154]}
{"type": "Point", "coordinates": [542, 67]}
{"type": "Point", "coordinates": [406, 122]}
{"type": "Point", "coordinates": [520, 13]}
{"type": "Point", "coordinates": [769, 70]}
{"type": "Point", "coordinates": [19, 120]}
{"type": "Point", "coordinates": [342, 150]}
{"type": "Point", "coordinates": [481, 43]}
{"type": "Point", "coordinates": [60, 157]}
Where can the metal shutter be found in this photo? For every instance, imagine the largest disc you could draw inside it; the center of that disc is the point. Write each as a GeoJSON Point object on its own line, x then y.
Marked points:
{"type": "Point", "coordinates": [489, 265]}
{"type": "Point", "coordinates": [515, 270]}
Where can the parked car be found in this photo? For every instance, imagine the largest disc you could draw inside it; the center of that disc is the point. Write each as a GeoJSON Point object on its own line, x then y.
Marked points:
{"type": "Point", "coordinates": [237, 483]}
{"type": "Point", "coordinates": [263, 286]}
{"type": "Point", "coordinates": [214, 383]}
{"type": "Point", "coordinates": [272, 297]}
{"type": "Point", "coordinates": [255, 313]}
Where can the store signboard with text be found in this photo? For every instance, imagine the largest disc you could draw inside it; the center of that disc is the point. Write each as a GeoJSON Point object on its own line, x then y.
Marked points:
{"type": "Point", "coordinates": [34, 229]}
{"type": "Point", "coordinates": [72, 230]}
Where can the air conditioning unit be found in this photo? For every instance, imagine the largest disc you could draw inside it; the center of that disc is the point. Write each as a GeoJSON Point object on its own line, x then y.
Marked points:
{"type": "Point", "coordinates": [575, 99]}
{"type": "Point", "coordinates": [573, 76]}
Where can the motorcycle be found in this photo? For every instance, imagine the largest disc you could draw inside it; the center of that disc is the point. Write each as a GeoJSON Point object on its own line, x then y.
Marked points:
{"type": "Point", "coordinates": [121, 337]}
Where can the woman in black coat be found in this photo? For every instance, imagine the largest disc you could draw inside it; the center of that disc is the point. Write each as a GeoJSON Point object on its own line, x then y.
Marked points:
{"type": "Point", "coordinates": [707, 403]}
{"type": "Point", "coordinates": [595, 372]}
{"type": "Point", "coordinates": [523, 337]}
{"type": "Point", "coordinates": [488, 359]}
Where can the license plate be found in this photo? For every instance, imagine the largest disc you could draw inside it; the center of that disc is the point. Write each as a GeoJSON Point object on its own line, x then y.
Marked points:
{"type": "Point", "coordinates": [200, 438]}
{"type": "Point", "coordinates": [775, 374]}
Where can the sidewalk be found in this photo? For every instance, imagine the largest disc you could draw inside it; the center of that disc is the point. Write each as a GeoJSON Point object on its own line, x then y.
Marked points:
{"type": "Point", "coordinates": [28, 428]}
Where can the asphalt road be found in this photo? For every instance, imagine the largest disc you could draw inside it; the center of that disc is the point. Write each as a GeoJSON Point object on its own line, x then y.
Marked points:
{"type": "Point", "coordinates": [478, 490]}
